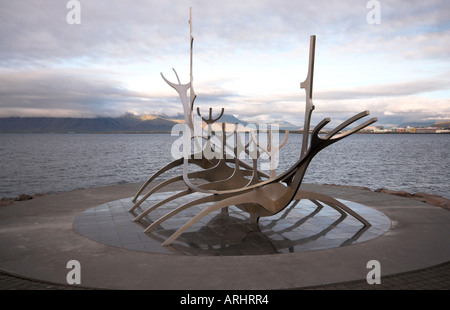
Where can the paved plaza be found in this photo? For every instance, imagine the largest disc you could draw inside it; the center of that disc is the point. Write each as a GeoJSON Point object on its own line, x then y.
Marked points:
{"type": "Point", "coordinates": [303, 247]}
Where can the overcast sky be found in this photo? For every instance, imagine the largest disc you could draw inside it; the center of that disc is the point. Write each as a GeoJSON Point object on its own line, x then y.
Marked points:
{"type": "Point", "coordinates": [249, 57]}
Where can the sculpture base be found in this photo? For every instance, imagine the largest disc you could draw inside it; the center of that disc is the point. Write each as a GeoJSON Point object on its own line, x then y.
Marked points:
{"type": "Point", "coordinates": [302, 226]}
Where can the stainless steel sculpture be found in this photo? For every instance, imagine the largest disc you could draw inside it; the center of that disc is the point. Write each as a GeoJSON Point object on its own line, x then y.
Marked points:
{"type": "Point", "coordinates": [225, 180]}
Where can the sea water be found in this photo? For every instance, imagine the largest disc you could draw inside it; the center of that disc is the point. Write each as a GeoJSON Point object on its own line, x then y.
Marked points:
{"type": "Point", "coordinates": [49, 163]}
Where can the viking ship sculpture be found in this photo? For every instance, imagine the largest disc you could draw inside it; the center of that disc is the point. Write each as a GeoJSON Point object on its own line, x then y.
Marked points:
{"type": "Point", "coordinates": [226, 180]}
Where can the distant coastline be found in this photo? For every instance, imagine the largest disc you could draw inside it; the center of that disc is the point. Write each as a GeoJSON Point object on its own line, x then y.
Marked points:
{"type": "Point", "coordinates": [158, 124]}
{"type": "Point", "coordinates": [169, 132]}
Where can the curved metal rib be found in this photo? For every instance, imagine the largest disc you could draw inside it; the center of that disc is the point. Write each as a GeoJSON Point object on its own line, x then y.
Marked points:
{"type": "Point", "coordinates": [154, 190]}
{"type": "Point", "coordinates": [274, 200]}
{"type": "Point", "coordinates": [333, 203]}
{"type": "Point", "coordinates": [165, 217]}
{"type": "Point", "coordinates": [169, 166]}
{"type": "Point", "coordinates": [162, 202]}
{"type": "Point", "coordinates": [218, 205]}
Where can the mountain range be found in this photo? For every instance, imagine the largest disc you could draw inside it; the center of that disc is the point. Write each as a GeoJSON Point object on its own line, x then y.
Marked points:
{"type": "Point", "coordinates": [444, 124]}
{"type": "Point", "coordinates": [126, 123]}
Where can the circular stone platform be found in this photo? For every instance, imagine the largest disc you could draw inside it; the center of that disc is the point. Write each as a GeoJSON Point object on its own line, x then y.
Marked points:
{"type": "Point", "coordinates": [302, 226]}
{"type": "Point", "coordinates": [39, 239]}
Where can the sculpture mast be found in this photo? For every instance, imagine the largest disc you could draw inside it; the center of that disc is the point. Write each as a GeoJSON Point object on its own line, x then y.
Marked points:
{"type": "Point", "coordinates": [192, 95]}
{"type": "Point", "coordinates": [308, 86]}
{"type": "Point", "coordinates": [188, 103]}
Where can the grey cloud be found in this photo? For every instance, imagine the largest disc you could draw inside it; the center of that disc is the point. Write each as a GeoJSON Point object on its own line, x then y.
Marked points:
{"type": "Point", "coordinates": [65, 93]}
{"type": "Point", "coordinates": [387, 90]}
{"type": "Point", "coordinates": [37, 31]}
{"type": "Point", "coordinates": [35, 36]}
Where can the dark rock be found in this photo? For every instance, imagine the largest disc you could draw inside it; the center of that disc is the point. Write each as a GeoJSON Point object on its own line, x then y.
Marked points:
{"type": "Point", "coordinates": [424, 197]}
{"type": "Point", "coordinates": [433, 199]}
{"type": "Point", "coordinates": [391, 192]}
{"type": "Point", "coordinates": [350, 186]}
{"type": "Point", "coordinates": [23, 197]}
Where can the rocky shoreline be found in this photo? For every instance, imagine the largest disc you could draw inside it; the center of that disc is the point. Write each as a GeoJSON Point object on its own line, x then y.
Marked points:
{"type": "Point", "coordinates": [9, 201]}
{"type": "Point", "coordinates": [431, 199]}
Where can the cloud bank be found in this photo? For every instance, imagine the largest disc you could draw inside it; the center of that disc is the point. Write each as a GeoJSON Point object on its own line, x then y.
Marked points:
{"type": "Point", "coordinates": [249, 57]}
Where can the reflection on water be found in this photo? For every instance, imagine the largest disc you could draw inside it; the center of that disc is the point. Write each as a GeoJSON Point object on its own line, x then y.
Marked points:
{"type": "Point", "coordinates": [303, 226]}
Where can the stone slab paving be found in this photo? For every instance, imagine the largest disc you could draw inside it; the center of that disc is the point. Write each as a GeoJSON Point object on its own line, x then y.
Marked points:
{"type": "Point", "coordinates": [38, 239]}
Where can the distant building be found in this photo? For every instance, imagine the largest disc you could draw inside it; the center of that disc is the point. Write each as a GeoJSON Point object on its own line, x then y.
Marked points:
{"type": "Point", "coordinates": [380, 129]}
{"type": "Point", "coordinates": [427, 130]}
{"type": "Point", "coordinates": [411, 129]}
{"type": "Point", "coordinates": [399, 130]}
{"type": "Point", "coordinates": [368, 129]}
{"type": "Point", "coordinates": [408, 129]}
